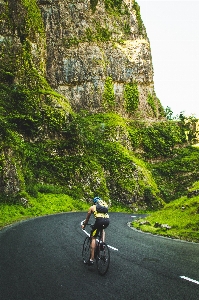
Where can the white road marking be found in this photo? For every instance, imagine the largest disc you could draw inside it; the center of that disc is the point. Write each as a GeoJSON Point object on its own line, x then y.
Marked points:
{"type": "Point", "coordinates": [86, 232]}
{"type": "Point", "coordinates": [113, 248]}
{"type": "Point", "coordinates": [189, 279]}
{"type": "Point", "coordinates": [133, 216]}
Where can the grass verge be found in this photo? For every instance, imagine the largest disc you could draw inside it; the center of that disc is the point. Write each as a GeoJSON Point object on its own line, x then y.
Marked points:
{"type": "Point", "coordinates": [178, 219]}
{"type": "Point", "coordinates": [44, 204]}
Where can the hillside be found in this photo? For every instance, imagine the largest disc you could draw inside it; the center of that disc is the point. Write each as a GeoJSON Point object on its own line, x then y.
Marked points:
{"type": "Point", "coordinates": [178, 219]}
{"type": "Point", "coordinates": [78, 109]}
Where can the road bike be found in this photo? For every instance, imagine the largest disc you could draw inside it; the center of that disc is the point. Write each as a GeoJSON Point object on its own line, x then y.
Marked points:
{"type": "Point", "coordinates": [102, 253]}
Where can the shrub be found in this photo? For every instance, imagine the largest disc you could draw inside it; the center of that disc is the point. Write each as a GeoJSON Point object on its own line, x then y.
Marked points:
{"type": "Point", "coordinates": [109, 95]}
{"type": "Point", "coordinates": [131, 96]}
{"type": "Point", "coordinates": [151, 102]}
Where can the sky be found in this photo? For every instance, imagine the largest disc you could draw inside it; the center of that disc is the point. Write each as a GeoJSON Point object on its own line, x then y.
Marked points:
{"type": "Point", "coordinates": [173, 31]}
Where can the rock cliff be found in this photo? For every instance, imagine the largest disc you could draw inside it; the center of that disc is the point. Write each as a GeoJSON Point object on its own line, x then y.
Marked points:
{"type": "Point", "coordinates": [83, 48]}
{"type": "Point", "coordinates": [89, 41]}
{"type": "Point", "coordinates": [67, 66]}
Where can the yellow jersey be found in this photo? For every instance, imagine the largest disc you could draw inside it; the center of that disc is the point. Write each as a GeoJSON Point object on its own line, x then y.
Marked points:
{"type": "Point", "coordinates": [99, 215]}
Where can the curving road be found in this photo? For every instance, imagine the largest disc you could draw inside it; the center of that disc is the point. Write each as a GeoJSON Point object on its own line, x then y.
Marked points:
{"type": "Point", "coordinates": [40, 259]}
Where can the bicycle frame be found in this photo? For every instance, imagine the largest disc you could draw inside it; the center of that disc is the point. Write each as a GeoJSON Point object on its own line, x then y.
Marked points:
{"type": "Point", "coordinates": [102, 254]}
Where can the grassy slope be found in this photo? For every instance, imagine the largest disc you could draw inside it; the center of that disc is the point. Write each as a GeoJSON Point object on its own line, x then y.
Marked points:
{"type": "Point", "coordinates": [182, 215]}
{"type": "Point", "coordinates": [44, 204]}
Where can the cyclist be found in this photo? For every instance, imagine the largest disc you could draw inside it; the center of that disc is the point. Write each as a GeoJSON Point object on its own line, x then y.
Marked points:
{"type": "Point", "coordinates": [101, 222]}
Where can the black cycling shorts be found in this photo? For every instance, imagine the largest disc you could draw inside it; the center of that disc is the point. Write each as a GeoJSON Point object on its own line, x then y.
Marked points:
{"type": "Point", "coordinates": [100, 224]}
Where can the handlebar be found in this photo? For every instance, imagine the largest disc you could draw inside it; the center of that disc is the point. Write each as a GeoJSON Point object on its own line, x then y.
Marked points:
{"type": "Point", "coordinates": [83, 229]}
{"type": "Point", "coordinates": [91, 225]}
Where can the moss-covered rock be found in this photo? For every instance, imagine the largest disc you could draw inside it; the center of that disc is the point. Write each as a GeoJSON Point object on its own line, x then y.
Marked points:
{"type": "Point", "coordinates": [78, 110]}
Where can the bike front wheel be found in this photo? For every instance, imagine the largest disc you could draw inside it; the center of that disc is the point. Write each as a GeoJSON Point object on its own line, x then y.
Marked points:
{"type": "Point", "coordinates": [86, 250]}
{"type": "Point", "coordinates": [103, 259]}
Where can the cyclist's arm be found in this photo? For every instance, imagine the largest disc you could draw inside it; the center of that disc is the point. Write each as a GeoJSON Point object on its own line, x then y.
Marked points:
{"type": "Point", "coordinates": [90, 211]}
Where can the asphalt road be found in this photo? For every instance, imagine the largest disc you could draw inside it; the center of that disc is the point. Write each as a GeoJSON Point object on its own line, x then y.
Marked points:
{"type": "Point", "coordinates": [40, 259]}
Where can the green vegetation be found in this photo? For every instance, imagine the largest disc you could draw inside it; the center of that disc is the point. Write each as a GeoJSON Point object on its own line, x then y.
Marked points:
{"type": "Point", "coordinates": [89, 158]}
{"type": "Point", "coordinates": [160, 139]}
{"type": "Point", "coordinates": [91, 154]}
{"type": "Point", "coordinates": [54, 160]}
{"type": "Point", "coordinates": [33, 19]}
{"type": "Point", "coordinates": [99, 33]}
{"type": "Point", "coordinates": [93, 4]}
{"type": "Point", "coordinates": [109, 95]}
{"type": "Point", "coordinates": [151, 102]}
{"type": "Point", "coordinates": [46, 203]}
{"type": "Point", "coordinates": [114, 6]}
{"type": "Point", "coordinates": [138, 15]}
{"type": "Point", "coordinates": [27, 112]}
{"type": "Point", "coordinates": [131, 96]}
{"type": "Point", "coordinates": [194, 187]}
{"type": "Point", "coordinates": [178, 219]}
{"type": "Point", "coordinates": [177, 173]}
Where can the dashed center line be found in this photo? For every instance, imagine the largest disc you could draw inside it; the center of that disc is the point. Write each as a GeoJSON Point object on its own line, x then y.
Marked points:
{"type": "Point", "coordinates": [113, 248]}
{"type": "Point", "coordinates": [189, 279]}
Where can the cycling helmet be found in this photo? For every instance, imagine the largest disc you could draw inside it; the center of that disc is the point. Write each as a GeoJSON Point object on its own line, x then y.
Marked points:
{"type": "Point", "coordinates": [96, 199]}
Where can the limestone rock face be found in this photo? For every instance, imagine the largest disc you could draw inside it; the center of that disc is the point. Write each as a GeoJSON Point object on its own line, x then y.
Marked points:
{"type": "Point", "coordinates": [9, 178]}
{"type": "Point", "coordinates": [84, 43]}
{"type": "Point", "coordinates": [89, 41]}
{"type": "Point", "coordinates": [55, 55]}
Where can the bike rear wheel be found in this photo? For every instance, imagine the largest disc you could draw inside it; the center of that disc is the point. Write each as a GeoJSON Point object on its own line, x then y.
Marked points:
{"type": "Point", "coordinates": [86, 250]}
{"type": "Point", "coordinates": [103, 259]}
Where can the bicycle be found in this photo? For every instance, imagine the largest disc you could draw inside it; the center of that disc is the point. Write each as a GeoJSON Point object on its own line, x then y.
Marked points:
{"type": "Point", "coordinates": [102, 253]}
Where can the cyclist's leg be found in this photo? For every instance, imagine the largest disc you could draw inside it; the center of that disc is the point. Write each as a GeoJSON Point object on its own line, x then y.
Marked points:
{"type": "Point", "coordinates": [105, 225]}
{"type": "Point", "coordinates": [103, 235]}
{"type": "Point", "coordinates": [93, 243]}
{"type": "Point", "coordinates": [103, 258]}
{"type": "Point", "coordinates": [94, 233]}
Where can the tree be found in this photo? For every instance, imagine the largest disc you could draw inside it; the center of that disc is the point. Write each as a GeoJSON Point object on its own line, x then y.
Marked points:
{"type": "Point", "coordinates": [169, 113]}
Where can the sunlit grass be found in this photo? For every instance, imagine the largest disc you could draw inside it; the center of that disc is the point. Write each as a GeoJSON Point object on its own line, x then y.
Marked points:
{"type": "Point", "coordinates": [196, 145]}
{"type": "Point", "coordinates": [182, 215]}
{"type": "Point", "coordinates": [44, 204]}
